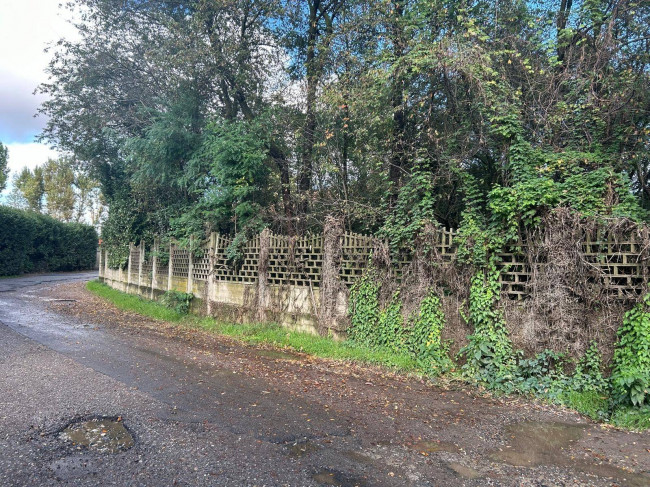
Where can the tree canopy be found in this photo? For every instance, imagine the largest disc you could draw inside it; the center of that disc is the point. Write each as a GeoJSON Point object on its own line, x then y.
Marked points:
{"type": "Point", "coordinates": [233, 115]}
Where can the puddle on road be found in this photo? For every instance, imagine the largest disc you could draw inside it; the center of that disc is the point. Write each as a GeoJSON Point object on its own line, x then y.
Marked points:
{"type": "Point", "coordinates": [426, 446]}
{"type": "Point", "coordinates": [103, 435]}
{"type": "Point", "coordinates": [464, 471]}
{"type": "Point", "coordinates": [276, 354]}
{"type": "Point", "coordinates": [536, 443]}
{"type": "Point", "coordinates": [326, 476]}
{"type": "Point", "coordinates": [299, 450]}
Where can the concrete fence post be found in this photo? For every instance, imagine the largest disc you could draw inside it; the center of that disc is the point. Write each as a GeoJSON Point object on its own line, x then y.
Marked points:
{"type": "Point", "coordinates": [141, 262]}
{"type": "Point", "coordinates": [106, 271]}
{"type": "Point", "coordinates": [171, 267]}
{"type": "Point", "coordinates": [154, 266]}
{"type": "Point", "coordinates": [330, 285]}
{"type": "Point", "coordinates": [263, 275]}
{"type": "Point", "coordinates": [129, 267]}
{"type": "Point", "coordinates": [120, 275]}
{"type": "Point", "coordinates": [209, 288]}
{"type": "Point", "coordinates": [190, 268]}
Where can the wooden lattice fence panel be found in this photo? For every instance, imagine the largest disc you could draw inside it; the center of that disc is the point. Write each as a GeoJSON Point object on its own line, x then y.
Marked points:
{"type": "Point", "coordinates": [515, 274]}
{"type": "Point", "coordinates": [147, 270]}
{"type": "Point", "coordinates": [618, 261]}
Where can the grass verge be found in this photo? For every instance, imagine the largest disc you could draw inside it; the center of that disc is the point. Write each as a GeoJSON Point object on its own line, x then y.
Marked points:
{"type": "Point", "coordinates": [259, 333]}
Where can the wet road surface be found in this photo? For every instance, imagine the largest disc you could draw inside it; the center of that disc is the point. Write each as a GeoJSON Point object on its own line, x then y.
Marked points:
{"type": "Point", "coordinates": [197, 416]}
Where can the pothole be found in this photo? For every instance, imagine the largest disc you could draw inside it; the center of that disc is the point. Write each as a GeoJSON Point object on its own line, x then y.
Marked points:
{"type": "Point", "coordinates": [103, 435]}
{"type": "Point", "coordinates": [298, 450]}
{"type": "Point", "coordinates": [537, 443]}
{"type": "Point", "coordinates": [325, 476]}
{"type": "Point", "coordinates": [425, 446]}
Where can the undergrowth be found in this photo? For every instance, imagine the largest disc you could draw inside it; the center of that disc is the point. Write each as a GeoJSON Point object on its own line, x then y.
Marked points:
{"type": "Point", "coordinates": [179, 302]}
{"type": "Point", "coordinates": [418, 336]}
{"type": "Point", "coordinates": [490, 360]}
{"type": "Point", "coordinates": [260, 333]}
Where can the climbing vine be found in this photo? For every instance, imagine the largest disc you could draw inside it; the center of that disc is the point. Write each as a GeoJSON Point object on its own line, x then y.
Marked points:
{"type": "Point", "coordinates": [364, 309]}
{"type": "Point", "coordinates": [425, 336]}
{"type": "Point", "coordinates": [488, 356]}
{"type": "Point", "coordinates": [420, 335]}
{"type": "Point", "coordinates": [630, 379]}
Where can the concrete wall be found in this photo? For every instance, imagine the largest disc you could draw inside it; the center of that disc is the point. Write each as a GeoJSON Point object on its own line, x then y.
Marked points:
{"type": "Point", "coordinates": [295, 307]}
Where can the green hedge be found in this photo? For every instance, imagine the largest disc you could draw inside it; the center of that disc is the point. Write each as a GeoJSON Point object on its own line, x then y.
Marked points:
{"type": "Point", "coordinates": [31, 242]}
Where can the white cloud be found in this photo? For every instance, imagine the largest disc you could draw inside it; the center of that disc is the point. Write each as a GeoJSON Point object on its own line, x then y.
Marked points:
{"type": "Point", "coordinates": [27, 27]}
{"type": "Point", "coordinates": [28, 155]}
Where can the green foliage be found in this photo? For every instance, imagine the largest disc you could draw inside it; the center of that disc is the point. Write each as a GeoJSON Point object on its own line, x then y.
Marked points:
{"type": "Point", "coordinates": [542, 375]}
{"type": "Point", "coordinates": [424, 338]}
{"type": "Point", "coordinates": [372, 326]}
{"type": "Point", "coordinates": [630, 379]}
{"type": "Point", "coordinates": [389, 332]}
{"type": "Point", "coordinates": [177, 301]}
{"type": "Point", "coordinates": [385, 328]}
{"type": "Point", "coordinates": [30, 242]}
{"type": "Point", "coordinates": [588, 374]}
{"type": "Point", "coordinates": [364, 309]}
{"type": "Point", "coordinates": [414, 208]}
{"type": "Point", "coordinates": [489, 357]}
{"type": "Point", "coordinates": [561, 183]}
{"type": "Point", "coordinates": [633, 418]}
{"type": "Point", "coordinates": [31, 186]}
{"type": "Point", "coordinates": [590, 403]}
{"type": "Point", "coordinates": [124, 224]}
{"type": "Point", "coordinates": [410, 110]}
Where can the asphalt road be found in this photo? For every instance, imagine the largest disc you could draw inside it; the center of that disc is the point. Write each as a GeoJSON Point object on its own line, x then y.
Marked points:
{"type": "Point", "coordinates": [197, 420]}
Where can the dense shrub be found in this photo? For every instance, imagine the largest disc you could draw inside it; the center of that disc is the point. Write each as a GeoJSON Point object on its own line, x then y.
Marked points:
{"type": "Point", "coordinates": [31, 242]}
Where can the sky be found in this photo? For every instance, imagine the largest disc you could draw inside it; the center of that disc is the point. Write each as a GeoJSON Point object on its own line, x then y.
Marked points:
{"type": "Point", "coordinates": [27, 27]}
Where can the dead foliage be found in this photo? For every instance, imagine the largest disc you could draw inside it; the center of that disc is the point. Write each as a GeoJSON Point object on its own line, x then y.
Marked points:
{"type": "Point", "coordinates": [574, 296]}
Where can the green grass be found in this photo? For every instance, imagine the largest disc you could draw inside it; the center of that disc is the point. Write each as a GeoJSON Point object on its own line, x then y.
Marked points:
{"type": "Point", "coordinates": [259, 333]}
{"type": "Point", "coordinates": [589, 403]}
{"type": "Point", "coordinates": [637, 419]}
{"type": "Point", "coordinates": [129, 302]}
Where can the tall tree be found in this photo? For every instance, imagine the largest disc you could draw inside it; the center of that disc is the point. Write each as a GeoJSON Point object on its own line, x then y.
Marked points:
{"type": "Point", "coordinates": [30, 187]}
{"type": "Point", "coordinates": [4, 170]}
